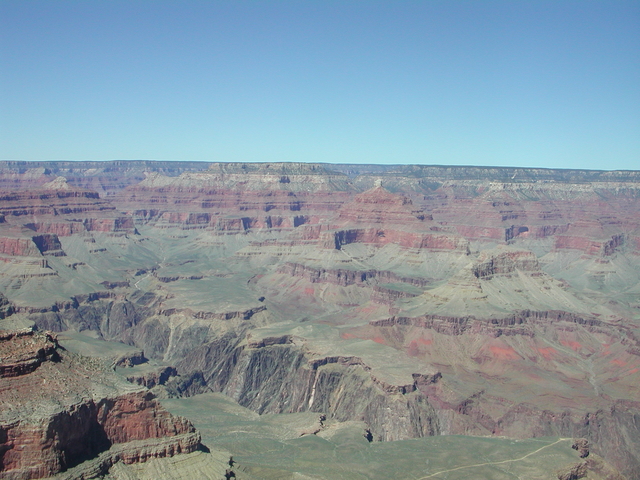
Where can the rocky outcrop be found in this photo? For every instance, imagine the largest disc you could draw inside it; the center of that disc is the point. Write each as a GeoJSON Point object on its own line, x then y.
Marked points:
{"type": "Point", "coordinates": [116, 224]}
{"type": "Point", "coordinates": [518, 232]}
{"type": "Point", "coordinates": [130, 359]}
{"type": "Point", "coordinates": [6, 307]}
{"type": "Point", "coordinates": [278, 377]}
{"type": "Point", "coordinates": [388, 296]}
{"type": "Point", "coordinates": [344, 277]}
{"type": "Point", "coordinates": [573, 472]}
{"type": "Point", "coordinates": [52, 202]}
{"type": "Point", "coordinates": [327, 250]}
{"type": "Point", "coordinates": [241, 191]}
{"type": "Point", "coordinates": [46, 431]}
{"type": "Point", "coordinates": [35, 246]}
{"type": "Point", "coordinates": [582, 446]}
{"type": "Point", "coordinates": [23, 247]}
{"type": "Point", "coordinates": [378, 206]}
{"type": "Point", "coordinates": [513, 324]}
{"type": "Point", "coordinates": [150, 379]}
{"type": "Point", "coordinates": [59, 209]}
{"type": "Point", "coordinates": [49, 244]}
{"type": "Point", "coordinates": [61, 229]}
{"type": "Point", "coordinates": [22, 352]}
{"type": "Point", "coordinates": [137, 451]}
{"type": "Point", "coordinates": [379, 236]}
{"type": "Point", "coordinates": [602, 248]}
{"type": "Point", "coordinates": [206, 315]}
{"type": "Point", "coordinates": [82, 431]}
{"type": "Point", "coordinates": [505, 263]}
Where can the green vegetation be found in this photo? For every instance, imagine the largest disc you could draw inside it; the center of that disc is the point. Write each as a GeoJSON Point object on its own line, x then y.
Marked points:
{"type": "Point", "coordinates": [270, 447]}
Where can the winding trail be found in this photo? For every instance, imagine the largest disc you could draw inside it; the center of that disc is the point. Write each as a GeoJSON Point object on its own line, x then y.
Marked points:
{"type": "Point", "coordinates": [494, 463]}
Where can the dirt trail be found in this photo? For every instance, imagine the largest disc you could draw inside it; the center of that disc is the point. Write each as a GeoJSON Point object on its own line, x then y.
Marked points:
{"type": "Point", "coordinates": [494, 463]}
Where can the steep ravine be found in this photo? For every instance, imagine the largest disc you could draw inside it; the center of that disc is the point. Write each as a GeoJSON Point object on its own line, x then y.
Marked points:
{"type": "Point", "coordinates": [281, 378]}
{"type": "Point", "coordinates": [279, 375]}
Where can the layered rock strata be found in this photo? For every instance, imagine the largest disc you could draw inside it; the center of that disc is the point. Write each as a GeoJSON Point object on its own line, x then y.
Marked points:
{"type": "Point", "coordinates": [520, 286]}
{"type": "Point", "coordinates": [59, 411]}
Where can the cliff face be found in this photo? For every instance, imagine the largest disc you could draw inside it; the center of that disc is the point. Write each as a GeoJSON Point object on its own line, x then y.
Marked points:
{"type": "Point", "coordinates": [345, 277]}
{"type": "Point", "coordinates": [46, 431]}
{"type": "Point", "coordinates": [420, 300]}
{"type": "Point", "coordinates": [505, 263]}
{"type": "Point", "coordinates": [18, 247]}
{"type": "Point", "coordinates": [379, 206]}
{"type": "Point", "coordinates": [283, 378]}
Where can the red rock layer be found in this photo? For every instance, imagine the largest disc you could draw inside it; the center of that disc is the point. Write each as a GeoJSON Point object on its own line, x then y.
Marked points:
{"type": "Point", "coordinates": [516, 323]}
{"type": "Point", "coordinates": [82, 431]}
{"type": "Point", "coordinates": [23, 247]}
{"type": "Point", "coordinates": [602, 248]}
{"type": "Point", "coordinates": [51, 202]}
{"type": "Point", "coordinates": [588, 214]}
{"type": "Point", "coordinates": [379, 206]}
{"type": "Point", "coordinates": [42, 432]}
{"type": "Point", "coordinates": [58, 209]}
{"type": "Point", "coordinates": [384, 236]}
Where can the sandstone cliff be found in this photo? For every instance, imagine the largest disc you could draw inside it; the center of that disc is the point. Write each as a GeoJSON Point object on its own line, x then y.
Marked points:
{"type": "Point", "coordinates": [519, 287]}
{"type": "Point", "coordinates": [59, 410]}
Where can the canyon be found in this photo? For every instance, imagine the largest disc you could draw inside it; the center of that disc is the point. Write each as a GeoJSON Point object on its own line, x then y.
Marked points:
{"type": "Point", "coordinates": [405, 302]}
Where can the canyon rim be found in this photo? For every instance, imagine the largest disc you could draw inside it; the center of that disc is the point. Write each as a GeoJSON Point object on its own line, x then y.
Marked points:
{"type": "Point", "coordinates": [376, 307]}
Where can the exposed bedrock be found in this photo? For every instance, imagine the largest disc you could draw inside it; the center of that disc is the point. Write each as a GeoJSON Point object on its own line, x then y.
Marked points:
{"type": "Point", "coordinates": [379, 206]}
{"type": "Point", "coordinates": [613, 433]}
{"type": "Point", "coordinates": [384, 236]}
{"type": "Point", "coordinates": [49, 244]}
{"type": "Point", "coordinates": [23, 247]}
{"type": "Point", "coordinates": [249, 188]}
{"type": "Point", "coordinates": [277, 375]}
{"type": "Point", "coordinates": [529, 344]}
{"type": "Point", "coordinates": [612, 426]}
{"type": "Point", "coordinates": [603, 248]}
{"type": "Point", "coordinates": [227, 224]}
{"type": "Point", "coordinates": [82, 431]}
{"type": "Point", "coordinates": [344, 277]}
{"type": "Point", "coordinates": [282, 379]}
{"type": "Point", "coordinates": [80, 414]}
{"type": "Point", "coordinates": [113, 316]}
{"type": "Point", "coordinates": [105, 312]}
{"type": "Point", "coordinates": [61, 229]}
{"type": "Point", "coordinates": [35, 246]}
{"type": "Point", "coordinates": [58, 209]}
{"type": "Point", "coordinates": [504, 263]}
{"type": "Point", "coordinates": [6, 307]}
{"type": "Point", "coordinates": [515, 324]}
{"type": "Point", "coordinates": [71, 226]}
{"type": "Point", "coordinates": [150, 379]}
{"type": "Point", "coordinates": [52, 202]}
{"type": "Point", "coordinates": [22, 353]}
{"type": "Point", "coordinates": [142, 321]}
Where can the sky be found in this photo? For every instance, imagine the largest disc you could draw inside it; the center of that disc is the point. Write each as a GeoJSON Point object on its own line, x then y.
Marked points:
{"type": "Point", "coordinates": [552, 84]}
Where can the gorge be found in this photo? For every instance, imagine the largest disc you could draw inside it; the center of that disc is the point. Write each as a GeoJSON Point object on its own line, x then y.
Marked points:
{"type": "Point", "coordinates": [403, 301]}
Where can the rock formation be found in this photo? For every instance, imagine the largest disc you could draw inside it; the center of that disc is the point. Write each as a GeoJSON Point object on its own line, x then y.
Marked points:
{"type": "Point", "coordinates": [58, 410]}
{"type": "Point", "coordinates": [419, 300]}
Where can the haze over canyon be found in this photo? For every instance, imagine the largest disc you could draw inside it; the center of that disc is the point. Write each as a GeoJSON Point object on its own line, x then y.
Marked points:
{"type": "Point", "coordinates": [166, 318]}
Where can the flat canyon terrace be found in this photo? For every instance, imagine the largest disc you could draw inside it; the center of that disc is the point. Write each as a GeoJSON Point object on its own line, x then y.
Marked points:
{"type": "Point", "coordinates": [315, 321]}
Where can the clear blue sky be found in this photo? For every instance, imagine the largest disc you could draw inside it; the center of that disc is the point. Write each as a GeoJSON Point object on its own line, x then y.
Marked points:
{"type": "Point", "coordinates": [514, 83]}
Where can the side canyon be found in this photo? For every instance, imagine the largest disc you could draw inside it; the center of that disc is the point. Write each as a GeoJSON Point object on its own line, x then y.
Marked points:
{"type": "Point", "coordinates": [419, 301]}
